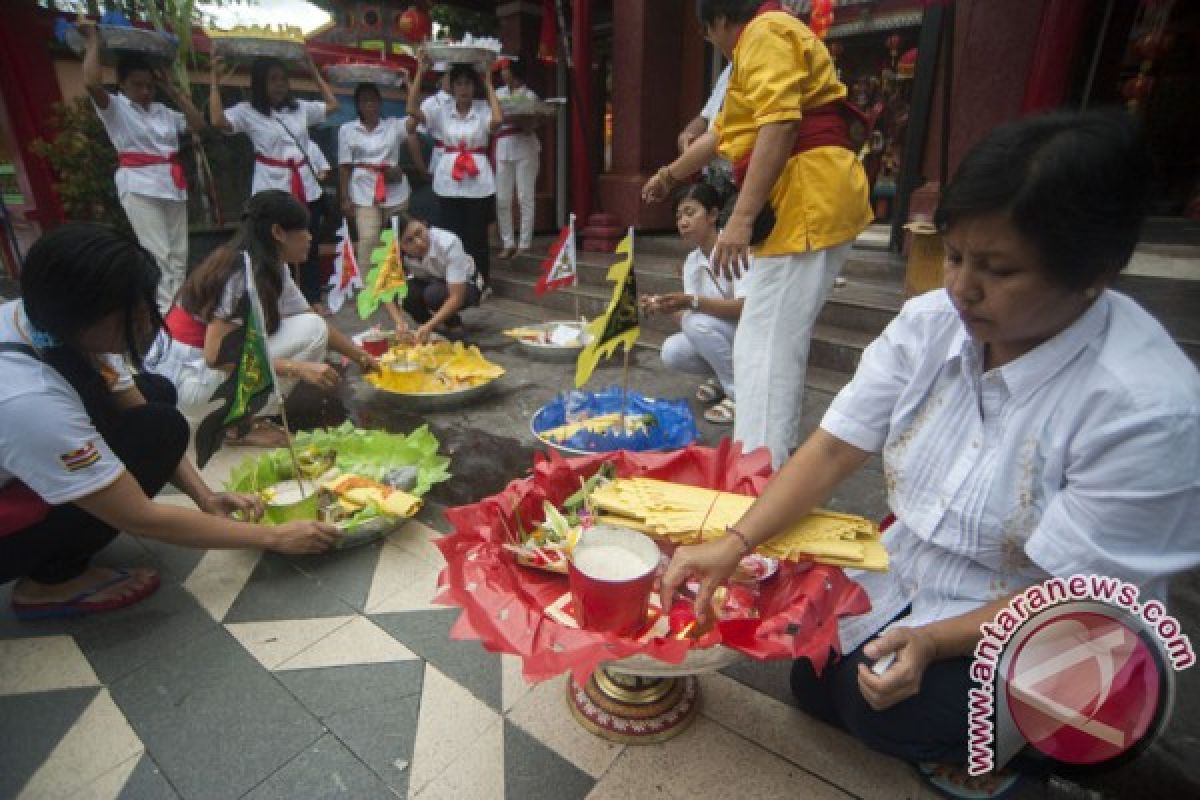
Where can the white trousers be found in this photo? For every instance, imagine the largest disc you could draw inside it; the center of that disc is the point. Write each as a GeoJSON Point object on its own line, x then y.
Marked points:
{"type": "Point", "coordinates": [161, 227]}
{"type": "Point", "coordinates": [770, 350]}
{"type": "Point", "coordinates": [522, 175]}
{"type": "Point", "coordinates": [302, 337]}
{"type": "Point", "coordinates": [368, 222]}
{"type": "Point", "coordinates": [703, 347]}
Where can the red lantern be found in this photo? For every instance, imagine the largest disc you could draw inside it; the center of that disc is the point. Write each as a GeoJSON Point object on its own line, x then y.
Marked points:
{"type": "Point", "coordinates": [1153, 45]}
{"type": "Point", "coordinates": [821, 18]}
{"type": "Point", "coordinates": [414, 25]}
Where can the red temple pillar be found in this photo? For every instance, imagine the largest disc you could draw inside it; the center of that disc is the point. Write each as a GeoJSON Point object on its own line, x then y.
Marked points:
{"type": "Point", "coordinates": [29, 84]}
{"type": "Point", "coordinates": [1054, 54]}
{"type": "Point", "coordinates": [651, 66]}
{"type": "Point", "coordinates": [582, 166]}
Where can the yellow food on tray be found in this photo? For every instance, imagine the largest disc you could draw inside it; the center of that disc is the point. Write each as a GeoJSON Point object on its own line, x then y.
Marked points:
{"type": "Point", "coordinates": [433, 369]}
{"type": "Point", "coordinates": [603, 423]}
{"type": "Point", "coordinates": [677, 512]}
{"type": "Point", "coordinates": [355, 492]}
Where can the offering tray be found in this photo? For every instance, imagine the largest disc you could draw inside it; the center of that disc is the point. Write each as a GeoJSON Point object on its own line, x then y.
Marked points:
{"type": "Point", "coordinates": [378, 74]}
{"type": "Point", "coordinates": [632, 690]}
{"type": "Point", "coordinates": [534, 341]}
{"type": "Point", "coordinates": [374, 455]}
{"type": "Point", "coordinates": [157, 46]}
{"type": "Point", "coordinates": [667, 424]}
{"type": "Point", "coordinates": [248, 47]}
{"type": "Point", "coordinates": [462, 53]}
{"type": "Point", "coordinates": [516, 107]}
{"type": "Point", "coordinates": [435, 377]}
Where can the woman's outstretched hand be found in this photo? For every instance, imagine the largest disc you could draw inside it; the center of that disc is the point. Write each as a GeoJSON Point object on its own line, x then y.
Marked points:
{"type": "Point", "coordinates": [710, 563]}
{"type": "Point", "coordinates": [302, 537]}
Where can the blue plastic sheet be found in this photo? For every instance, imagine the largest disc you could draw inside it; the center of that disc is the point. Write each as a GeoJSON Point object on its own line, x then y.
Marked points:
{"type": "Point", "coordinates": [673, 425]}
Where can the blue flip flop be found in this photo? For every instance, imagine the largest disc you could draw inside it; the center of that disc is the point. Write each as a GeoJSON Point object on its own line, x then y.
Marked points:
{"type": "Point", "coordinates": [1007, 782]}
{"type": "Point", "coordinates": [82, 604]}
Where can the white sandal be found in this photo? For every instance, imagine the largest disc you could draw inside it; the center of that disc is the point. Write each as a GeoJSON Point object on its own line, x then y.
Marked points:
{"type": "Point", "coordinates": [710, 391]}
{"type": "Point", "coordinates": [722, 413]}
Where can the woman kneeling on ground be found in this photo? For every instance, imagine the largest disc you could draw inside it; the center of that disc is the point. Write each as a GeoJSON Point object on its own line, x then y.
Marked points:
{"type": "Point", "coordinates": [707, 309]}
{"type": "Point", "coordinates": [442, 280]}
{"type": "Point", "coordinates": [274, 233]}
{"type": "Point", "coordinates": [1033, 423]}
{"type": "Point", "coordinates": [86, 445]}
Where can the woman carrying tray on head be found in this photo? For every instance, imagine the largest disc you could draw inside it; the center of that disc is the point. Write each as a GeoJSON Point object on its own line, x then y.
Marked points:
{"type": "Point", "coordinates": [274, 231]}
{"type": "Point", "coordinates": [372, 187]}
{"type": "Point", "coordinates": [87, 445]}
{"type": "Point", "coordinates": [517, 150]}
{"type": "Point", "coordinates": [464, 181]}
{"type": "Point", "coordinates": [277, 124]}
{"type": "Point", "coordinates": [708, 307]}
{"type": "Point", "coordinates": [150, 179]}
{"type": "Point", "coordinates": [1032, 422]}
{"type": "Point", "coordinates": [442, 280]}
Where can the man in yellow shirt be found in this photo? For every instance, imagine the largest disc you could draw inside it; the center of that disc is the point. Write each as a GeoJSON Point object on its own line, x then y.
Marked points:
{"type": "Point", "coordinates": [784, 127]}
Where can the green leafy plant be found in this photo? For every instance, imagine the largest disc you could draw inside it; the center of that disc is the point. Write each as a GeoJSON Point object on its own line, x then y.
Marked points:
{"type": "Point", "coordinates": [83, 161]}
{"type": "Point", "coordinates": [458, 21]}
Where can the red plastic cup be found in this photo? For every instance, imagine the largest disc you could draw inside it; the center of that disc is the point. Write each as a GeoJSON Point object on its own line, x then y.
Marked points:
{"type": "Point", "coordinates": [611, 576]}
{"type": "Point", "coordinates": [376, 343]}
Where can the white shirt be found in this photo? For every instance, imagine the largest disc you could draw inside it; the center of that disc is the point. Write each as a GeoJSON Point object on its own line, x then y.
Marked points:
{"type": "Point", "coordinates": [717, 99]}
{"type": "Point", "coordinates": [1081, 456]}
{"type": "Point", "coordinates": [291, 299]}
{"type": "Point", "coordinates": [470, 129]}
{"type": "Point", "coordinates": [428, 106]}
{"type": "Point", "coordinates": [357, 145]}
{"type": "Point", "coordinates": [446, 260]}
{"type": "Point", "coordinates": [269, 137]}
{"type": "Point", "coordinates": [316, 157]}
{"type": "Point", "coordinates": [699, 280]}
{"type": "Point", "coordinates": [47, 439]}
{"type": "Point", "coordinates": [153, 131]}
{"type": "Point", "coordinates": [512, 143]}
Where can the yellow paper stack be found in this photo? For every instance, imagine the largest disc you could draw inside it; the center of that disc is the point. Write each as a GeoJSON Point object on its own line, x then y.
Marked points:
{"type": "Point", "coordinates": [602, 423]}
{"type": "Point", "coordinates": [677, 512]}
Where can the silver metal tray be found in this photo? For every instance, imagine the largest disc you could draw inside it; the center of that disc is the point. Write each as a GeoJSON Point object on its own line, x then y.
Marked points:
{"type": "Point", "coordinates": [116, 39]}
{"type": "Point", "coordinates": [366, 73]}
{"type": "Point", "coordinates": [517, 107]}
{"type": "Point", "coordinates": [435, 401]}
{"type": "Point", "coordinates": [241, 47]}
{"type": "Point", "coordinates": [551, 352]}
{"type": "Point", "coordinates": [461, 54]}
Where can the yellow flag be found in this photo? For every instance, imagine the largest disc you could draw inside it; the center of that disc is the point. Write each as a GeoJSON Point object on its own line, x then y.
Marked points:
{"type": "Point", "coordinates": [619, 324]}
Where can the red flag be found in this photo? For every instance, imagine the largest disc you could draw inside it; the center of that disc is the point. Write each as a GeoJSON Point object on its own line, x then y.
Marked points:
{"type": "Point", "coordinates": [559, 269]}
{"type": "Point", "coordinates": [548, 40]}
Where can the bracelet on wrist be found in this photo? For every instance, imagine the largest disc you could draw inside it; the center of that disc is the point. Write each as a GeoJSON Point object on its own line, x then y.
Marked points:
{"type": "Point", "coordinates": [747, 548]}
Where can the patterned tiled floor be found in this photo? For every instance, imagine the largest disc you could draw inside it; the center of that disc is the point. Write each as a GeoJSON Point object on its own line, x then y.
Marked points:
{"type": "Point", "coordinates": [259, 676]}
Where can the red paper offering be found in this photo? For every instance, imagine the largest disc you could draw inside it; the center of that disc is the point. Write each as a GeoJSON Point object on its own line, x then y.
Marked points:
{"type": "Point", "coordinates": [518, 610]}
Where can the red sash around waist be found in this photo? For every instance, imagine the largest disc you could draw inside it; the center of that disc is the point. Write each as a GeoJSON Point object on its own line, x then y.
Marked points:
{"type": "Point", "coordinates": [184, 328]}
{"type": "Point", "coordinates": [464, 162]}
{"type": "Point", "coordinates": [297, 182]}
{"type": "Point", "coordinates": [380, 171]}
{"type": "Point", "coordinates": [826, 125]}
{"type": "Point", "coordinates": [135, 160]}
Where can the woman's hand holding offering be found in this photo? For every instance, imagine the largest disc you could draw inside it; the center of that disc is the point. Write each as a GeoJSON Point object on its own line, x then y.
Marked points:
{"type": "Point", "coordinates": [320, 375]}
{"type": "Point", "coordinates": [423, 333]}
{"type": "Point", "coordinates": [249, 507]}
{"type": "Point", "coordinates": [301, 537]}
{"type": "Point", "coordinates": [710, 563]}
{"type": "Point", "coordinates": [915, 650]}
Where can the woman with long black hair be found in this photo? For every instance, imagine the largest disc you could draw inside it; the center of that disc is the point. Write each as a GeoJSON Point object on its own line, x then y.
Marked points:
{"type": "Point", "coordinates": [86, 445]}
{"type": "Point", "coordinates": [273, 231]}
{"type": "Point", "coordinates": [277, 124]}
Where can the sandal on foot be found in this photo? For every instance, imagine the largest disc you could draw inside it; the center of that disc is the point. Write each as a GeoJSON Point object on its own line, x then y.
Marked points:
{"type": "Point", "coordinates": [721, 414]}
{"type": "Point", "coordinates": [954, 782]}
{"type": "Point", "coordinates": [710, 391]}
{"type": "Point", "coordinates": [262, 433]}
{"type": "Point", "coordinates": [83, 603]}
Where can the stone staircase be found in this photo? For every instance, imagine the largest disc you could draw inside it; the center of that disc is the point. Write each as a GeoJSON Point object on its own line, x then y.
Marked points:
{"type": "Point", "coordinates": [854, 315]}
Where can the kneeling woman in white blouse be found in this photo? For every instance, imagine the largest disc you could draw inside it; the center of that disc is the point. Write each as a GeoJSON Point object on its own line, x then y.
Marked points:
{"type": "Point", "coordinates": [1033, 423]}
{"type": "Point", "coordinates": [273, 233]}
{"type": "Point", "coordinates": [442, 279]}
